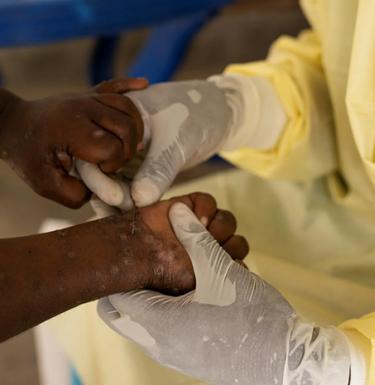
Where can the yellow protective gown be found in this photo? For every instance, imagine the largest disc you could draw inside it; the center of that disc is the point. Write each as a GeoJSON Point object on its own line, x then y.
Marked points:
{"type": "Point", "coordinates": [307, 206]}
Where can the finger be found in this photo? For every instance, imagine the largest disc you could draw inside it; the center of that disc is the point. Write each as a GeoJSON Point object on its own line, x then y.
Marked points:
{"type": "Point", "coordinates": [95, 145]}
{"type": "Point", "coordinates": [120, 125]}
{"type": "Point", "coordinates": [237, 247]}
{"type": "Point", "coordinates": [64, 189]}
{"type": "Point", "coordinates": [121, 85]}
{"type": "Point", "coordinates": [223, 225]}
{"type": "Point", "coordinates": [124, 105]}
{"type": "Point", "coordinates": [204, 207]}
{"type": "Point", "coordinates": [111, 191]}
{"type": "Point", "coordinates": [202, 204]}
{"type": "Point", "coordinates": [210, 262]}
{"type": "Point", "coordinates": [101, 209]}
{"type": "Point", "coordinates": [156, 174]}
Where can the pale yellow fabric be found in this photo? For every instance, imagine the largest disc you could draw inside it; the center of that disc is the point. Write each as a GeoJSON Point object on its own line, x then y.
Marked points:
{"type": "Point", "coordinates": [310, 212]}
{"type": "Point", "coordinates": [306, 149]}
{"type": "Point", "coordinates": [325, 79]}
{"type": "Point", "coordinates": [336, 59]}
{"type": "Point", "coordinates": [361, 333]}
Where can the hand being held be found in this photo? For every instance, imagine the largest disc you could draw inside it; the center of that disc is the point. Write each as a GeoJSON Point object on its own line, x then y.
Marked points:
{"type": "Point", "coordinates": [234, 328]}
{"type": "Point", "coordinates": [39, 139]}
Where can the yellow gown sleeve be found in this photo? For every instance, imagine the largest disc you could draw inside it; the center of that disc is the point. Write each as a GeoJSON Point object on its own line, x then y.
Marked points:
{"type": "Point", "coordinates": [365, 328]}
{"type": "Point", "coordinates": [306, 148]}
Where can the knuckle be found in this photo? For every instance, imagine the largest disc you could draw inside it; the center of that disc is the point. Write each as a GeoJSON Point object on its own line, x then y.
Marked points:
{"type": "Point", "coordinates": [231, 217]}
{"type": "Point", "coordinates": [121, 128]}
{"type": "Point", "coordinates": [242, 241]}
{"type": "Point", "coordinates": [125, 124]}
{"type": "Point", "coordinates": [228, 218]}
{"type": "Point", "coordinates": [107, 147]}
{"type": "Point", "coordinates": [112, 150]}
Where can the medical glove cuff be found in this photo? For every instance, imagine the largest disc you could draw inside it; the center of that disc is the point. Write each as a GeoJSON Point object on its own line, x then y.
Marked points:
{"type": "Point", "coordinates": [258, 114]}
{"type": "Point", "coordinates": [317, 355]}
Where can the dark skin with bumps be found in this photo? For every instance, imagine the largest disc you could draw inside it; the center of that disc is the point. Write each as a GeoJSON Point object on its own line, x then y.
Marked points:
{"type": "Point", "coordinates": [46, 274]}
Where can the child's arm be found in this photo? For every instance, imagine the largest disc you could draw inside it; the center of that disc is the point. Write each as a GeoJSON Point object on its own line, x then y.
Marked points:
{"type": "Point", "coordinates": [47, 274]}
{"type": "Point", "coordinates": [39, 139]}
{"type": "Point", "coordinates": [44, 275]}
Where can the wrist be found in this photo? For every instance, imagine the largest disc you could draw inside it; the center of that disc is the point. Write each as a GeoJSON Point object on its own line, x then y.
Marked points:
{"type": "Point", "coordinates": [258, 115]}
{"type": "Point", "coordinates": [118, 259]}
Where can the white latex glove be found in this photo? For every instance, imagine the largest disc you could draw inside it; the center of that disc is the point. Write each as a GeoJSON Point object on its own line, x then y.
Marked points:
{"type": "Point", "coordinates": [234, 328]}
{"type": "Point", "coordinates": [185, 123]}
{"type": "Point", "coordinates": [109, 190]}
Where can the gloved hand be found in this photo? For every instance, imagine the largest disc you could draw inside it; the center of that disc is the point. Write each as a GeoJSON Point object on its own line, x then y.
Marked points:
{"type": "Point", "coordinates": [110, 192]}
{"type": "Point", "coordinates": [233, 329]}
{"type": "Point", "coordinates": [185, 123]}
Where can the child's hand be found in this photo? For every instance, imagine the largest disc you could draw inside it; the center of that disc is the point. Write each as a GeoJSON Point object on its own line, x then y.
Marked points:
{"type": "Point", "coordinates": [144, 250]}
{"type": "Point", "coordinates": [39, 139]}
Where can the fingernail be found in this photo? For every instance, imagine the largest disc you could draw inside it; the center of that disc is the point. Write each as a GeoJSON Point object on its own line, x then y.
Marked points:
{"type": "Point", "coordinates": [204, 221]}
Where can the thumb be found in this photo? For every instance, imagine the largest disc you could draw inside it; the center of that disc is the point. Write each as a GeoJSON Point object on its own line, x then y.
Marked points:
{"type": "Point", "coordinates": [156, 174]}
{"type": "Point", "coordinates": [166, 155]}
{"type": "Point", "coordinates": [110, 190]}
{"type": "Point", "coordinates": [210, 261]}
{"type": "Point", "coordinates": [120, 85]}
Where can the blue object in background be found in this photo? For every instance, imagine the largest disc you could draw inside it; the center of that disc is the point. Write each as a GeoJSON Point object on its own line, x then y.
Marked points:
{"type": "Point", "coordinates": [31, 22]}
{"type": "Point", "coordinates": [160, 56]}
{"type": "Point", "coordinates": [166, 46]}
{"type": "Point", "coordinates": [74, 378]}
{"type": "Point", "coordinates": [28, 22]}
{"type": "Point", "coordinates": [102, 59]}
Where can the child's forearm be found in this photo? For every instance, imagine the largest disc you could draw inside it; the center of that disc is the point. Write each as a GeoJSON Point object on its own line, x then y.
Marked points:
{"type": "Point", "coordinates": [44, 275]}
